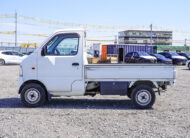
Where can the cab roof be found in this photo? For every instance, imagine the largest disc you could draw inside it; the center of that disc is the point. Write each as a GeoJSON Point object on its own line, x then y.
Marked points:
{"type": "Point", "coordinates": [70, 30]}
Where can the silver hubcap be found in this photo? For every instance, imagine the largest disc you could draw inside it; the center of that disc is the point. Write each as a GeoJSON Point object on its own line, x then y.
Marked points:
{"type": "Point", "coordinates": [143, 97]}
{"type": "Point", "coordinates": [32, 96]}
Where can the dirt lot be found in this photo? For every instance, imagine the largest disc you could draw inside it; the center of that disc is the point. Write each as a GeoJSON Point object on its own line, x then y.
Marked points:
{"type": "Point", "coordinates": [97, 116]}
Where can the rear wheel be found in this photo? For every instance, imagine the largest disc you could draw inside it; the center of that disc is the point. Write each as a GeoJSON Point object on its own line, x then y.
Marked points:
{"type": "Point", "coordinates": [143, 96]}
{"type": "Point", "coordinates": [2, 62]}
{"type": "Point", "coordinates": [33, 95]}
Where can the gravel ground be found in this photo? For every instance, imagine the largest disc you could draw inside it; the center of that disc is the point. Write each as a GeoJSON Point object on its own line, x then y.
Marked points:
{"type": "Point", "coordinates": [99, 116]}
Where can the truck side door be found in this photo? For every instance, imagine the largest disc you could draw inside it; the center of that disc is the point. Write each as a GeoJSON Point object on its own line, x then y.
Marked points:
{"type": "Point", "coordinates": [60, 62]}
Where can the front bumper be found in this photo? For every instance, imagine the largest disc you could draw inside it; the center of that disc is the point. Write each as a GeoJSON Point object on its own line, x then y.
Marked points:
{"type": "Point", "coordinates": [20, 82]}
{"type": "Point", "coordinates": [179, 61]}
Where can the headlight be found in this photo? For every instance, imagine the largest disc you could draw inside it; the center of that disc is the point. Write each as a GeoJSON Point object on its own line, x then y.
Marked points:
{"type": "Point", "coordinates": [20, 71]}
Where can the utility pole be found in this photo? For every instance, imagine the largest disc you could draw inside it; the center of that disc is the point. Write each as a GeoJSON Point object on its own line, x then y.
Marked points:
{"type": "Point", "coordinates": [185, 42]}
{"type": "Point", "coordinates": [15, 29]}
{"type": "Point", "coordinates": [151, 34]}
{"type": "Point", "coordinates": [115, 42]}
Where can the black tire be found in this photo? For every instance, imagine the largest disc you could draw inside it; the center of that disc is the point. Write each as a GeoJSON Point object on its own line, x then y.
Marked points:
{"type": "Point", "coordinates": [143, 96]}
{"type": "Point", "coordinates": [189, 66]}
{"type": "Point", "coordinates": [2, 62]}
{"type": "Point", "coordinates": [129, 93]}
{"type": "Point", "coordinates": [33, 95]}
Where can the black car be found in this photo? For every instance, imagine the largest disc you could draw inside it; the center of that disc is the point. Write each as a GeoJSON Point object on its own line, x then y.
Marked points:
{"type": "Point", "coordinates": [139, 57]}
{"type": "Point", "coordinates": [187, 55]}
{"type": "Point", "coordinates": [176, 59]}
{"type": "Point", "coordinates": [162, 59]}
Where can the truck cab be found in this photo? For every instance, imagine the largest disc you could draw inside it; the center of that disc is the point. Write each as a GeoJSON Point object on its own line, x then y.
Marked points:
{"type": "Point", "coordinates": [59, 67]}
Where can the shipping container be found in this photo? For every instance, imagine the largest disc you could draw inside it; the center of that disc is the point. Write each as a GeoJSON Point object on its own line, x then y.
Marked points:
{"type": "Point", "coordinates": [119, 51]}
{"type": "Point", "coordinates": [116, 49]}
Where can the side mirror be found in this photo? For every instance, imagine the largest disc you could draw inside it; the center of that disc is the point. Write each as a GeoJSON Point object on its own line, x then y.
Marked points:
{"type": "Point", "coordinates": [43, 52]}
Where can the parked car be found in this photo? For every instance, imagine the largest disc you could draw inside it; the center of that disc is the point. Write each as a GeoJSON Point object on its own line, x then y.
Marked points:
{"type": "Point", "coordinates": [139, 57]}
{"type": "Point", "coordinates": [187, 55]}
{"type": "Point", "coordinates": [10, 57]}
{"type": "Point", "coordinates": [176, 59]}
{"type": "Point", "coordinates": [162, 59]}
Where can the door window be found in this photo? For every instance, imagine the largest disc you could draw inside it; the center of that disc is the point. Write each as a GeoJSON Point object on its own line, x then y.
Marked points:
{"type": "Point", "coordinates": [129, 55]}
{"type": "Point", "coordinates": [136, 55]}
{"type": "Point", "coordinates": [64, 45]}
{"type": "Point", "coordinates": [6, 53]}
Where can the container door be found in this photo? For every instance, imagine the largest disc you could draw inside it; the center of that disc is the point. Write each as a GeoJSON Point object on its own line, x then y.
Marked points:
{"type": "Point", "coordinates": [120, 59]}
{"type": "Point", "coordinates": [104, 53]}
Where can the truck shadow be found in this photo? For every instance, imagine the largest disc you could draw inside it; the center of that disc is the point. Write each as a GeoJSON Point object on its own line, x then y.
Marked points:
{"type": "Point", "coordinates": [91, 104]}
{"type": "Point", "coordinates": [62, 103]}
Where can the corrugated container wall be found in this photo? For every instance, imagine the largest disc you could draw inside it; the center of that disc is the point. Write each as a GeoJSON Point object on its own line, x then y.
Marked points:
{"type": "Point", "coordinates": [114, 49]}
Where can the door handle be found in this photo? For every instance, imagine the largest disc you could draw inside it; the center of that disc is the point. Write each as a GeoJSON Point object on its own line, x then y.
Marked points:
{"type": "Point", "coordinates": [75, 64]}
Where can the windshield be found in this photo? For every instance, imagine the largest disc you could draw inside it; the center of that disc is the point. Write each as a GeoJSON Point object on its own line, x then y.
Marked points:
{"type": "Point", "coordinates": [174, 54]}
{"type": "Point", "coordinates": [159, 56]}
{"type": "Point", "coordinates": [143, 54]}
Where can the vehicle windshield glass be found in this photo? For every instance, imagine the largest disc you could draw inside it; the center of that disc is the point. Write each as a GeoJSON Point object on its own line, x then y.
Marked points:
{"type": "Point", "coordinates": [15, 53]}
{"type": "Point", "coordinates": [143, 54]}
{"type": "Point", "coordinates": [174, 54]}
{"type": "Point", "coordinates": [159, 56]}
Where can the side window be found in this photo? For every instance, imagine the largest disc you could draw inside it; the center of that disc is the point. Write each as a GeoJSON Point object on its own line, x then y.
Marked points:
{"type": "Point", "coordinates": [135, 54]}
{"type": "Point", "coordinates": [6, 53]}
{"type": "Point", "coordinates": [129, 55]}
{"type": "Point", "coordinates": [163, 54]}
{"type": "Point", "coordinates": [15, 53]}
{"type": "Point", "coordinates": [167, 55]}
{"type": "Point", "coordinates": [64, 45]}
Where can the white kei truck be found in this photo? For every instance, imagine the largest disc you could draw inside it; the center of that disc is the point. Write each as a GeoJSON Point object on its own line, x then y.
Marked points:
{"type": "Point", "coordinates": [59, 67]}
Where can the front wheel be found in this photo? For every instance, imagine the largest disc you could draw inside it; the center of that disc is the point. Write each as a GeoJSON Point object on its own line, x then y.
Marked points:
{"type": "Point", "coordinates": [33, 95]}
{"type": "Point", "coordinates": [143, 96]}
{"type": "Point", "coordinates": [2, 62]}
{"type": "Point", "coordinates": [189, 66]}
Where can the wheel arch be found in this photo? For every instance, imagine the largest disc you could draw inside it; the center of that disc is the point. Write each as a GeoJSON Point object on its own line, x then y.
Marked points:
{"type": "Point", "coordinates": [152, 84]}
{"type": "Point", "coordinates": [32, 81]}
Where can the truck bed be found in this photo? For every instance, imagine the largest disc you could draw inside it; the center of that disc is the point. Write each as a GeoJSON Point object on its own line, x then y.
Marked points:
{"type": "Point", "coordinates": [129, 72]}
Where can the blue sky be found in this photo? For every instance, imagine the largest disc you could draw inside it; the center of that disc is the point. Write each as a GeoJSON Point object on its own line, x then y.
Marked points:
{"type": "Point", "coordinates": [171, 14]}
